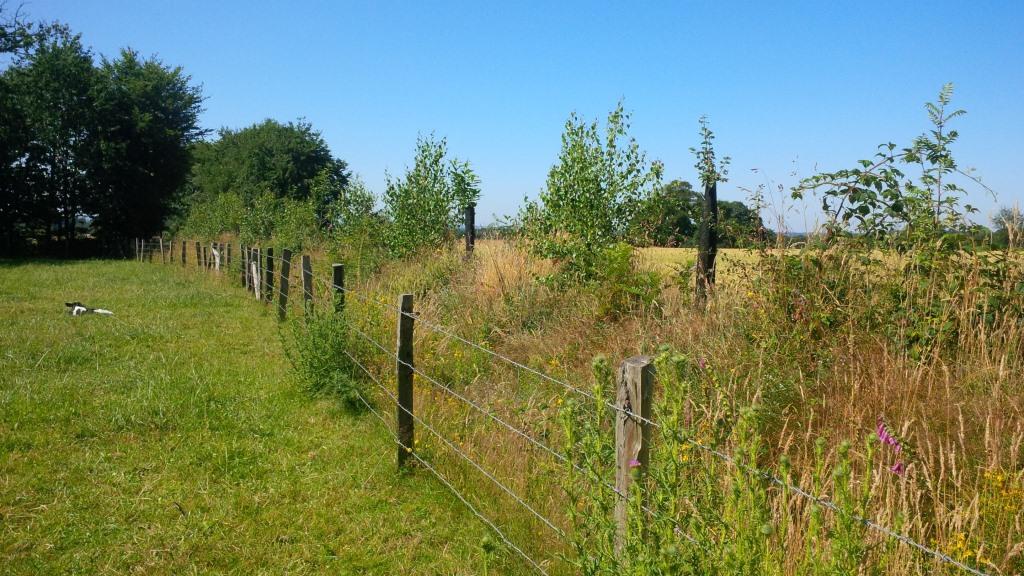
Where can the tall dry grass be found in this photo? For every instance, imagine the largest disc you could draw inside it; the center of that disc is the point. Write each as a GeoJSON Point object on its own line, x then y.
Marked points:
{"type": "Point", "coordinates": [958, 411]}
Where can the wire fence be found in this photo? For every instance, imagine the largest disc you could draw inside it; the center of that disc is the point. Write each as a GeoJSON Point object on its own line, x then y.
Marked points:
{"type": "Point", "coordinates": [330, 287]}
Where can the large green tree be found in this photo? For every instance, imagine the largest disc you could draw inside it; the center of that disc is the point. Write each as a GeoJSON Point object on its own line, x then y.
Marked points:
{"type": "Point", "coordinates": [280, 159]}
{"type": "Point", "coordinates": [148, 118]}
{"type": "Point", "coordinates": [106, 144]}
{"type": "Point", "coordinates": [51, 89]}
{"type": "Point", "coordinates": [267, 180]}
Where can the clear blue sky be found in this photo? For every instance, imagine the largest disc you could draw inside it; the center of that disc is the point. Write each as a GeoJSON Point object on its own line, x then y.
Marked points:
{"type": "Point", "coordinates": [789, 88]}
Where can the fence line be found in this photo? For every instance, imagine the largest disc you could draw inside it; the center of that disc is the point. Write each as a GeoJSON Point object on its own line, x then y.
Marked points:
{"type": "Point", "coordinates": [456, 449]}
{"type": "Point", "coordinates": [454, 491]}
{"type": "Point", "coordinates": [719, 454]}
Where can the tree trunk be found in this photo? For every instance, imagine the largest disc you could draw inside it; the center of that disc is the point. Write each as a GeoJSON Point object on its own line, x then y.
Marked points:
{"type": "Point", "coordinates": [708, 245]}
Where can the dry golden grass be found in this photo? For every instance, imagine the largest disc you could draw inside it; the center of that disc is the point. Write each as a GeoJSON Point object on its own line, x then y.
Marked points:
{"type": "Point", "coordinates": [963, 415]}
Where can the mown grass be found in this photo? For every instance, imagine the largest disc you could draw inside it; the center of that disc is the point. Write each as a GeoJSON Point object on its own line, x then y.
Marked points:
{"type": "Point", "coordinates": [173, 439]}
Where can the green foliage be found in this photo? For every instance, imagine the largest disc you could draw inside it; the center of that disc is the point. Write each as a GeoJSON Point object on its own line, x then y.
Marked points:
{"type": "Point", "coordinates": [933, 299]}
{"type": "Point", "coordinates": [51, 88]}
{"type": "Point", "coordinates": [425, 206]}
{"type": "Point", "coordinates": [281, 159]}
{"type": "Point", "coordinates": [592, 196]}
{"type": "Point", "coordinates": [270, 181]}
{"type": "Point", "coordinates": [109, 143]}
{"type": "Point", "coordinates": [314, 350]}
{"type": "Point", "coordinates": [624, 288]}
{"type": "Point", "coordinates": [702, 515]}
{"type": "Point", "coordinates": [881, 201]}
{"type": "Point", "coordinates": [668, 216]}
{"type": "Point", "coordinates": [149, 118]}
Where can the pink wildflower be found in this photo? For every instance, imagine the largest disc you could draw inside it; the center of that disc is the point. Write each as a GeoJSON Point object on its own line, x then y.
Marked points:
{"type": "Point", "coordinates": [887, 438]}
{"type": "Point", "coordinates": [634, 463]}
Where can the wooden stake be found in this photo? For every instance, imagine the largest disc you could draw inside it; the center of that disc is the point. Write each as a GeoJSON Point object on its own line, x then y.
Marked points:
{"type": "Point", "coordinates": [286, 268]}
{"type": "Point", "coordinates": [470, 228]}
{"type": "Point", "coordinates": [307, 283]}
{"type": "Point", "coordinates": [339, 287]}
{"type": "Point", "coordinates": [404, 369]}
{"type": "Point", "coordinates": [632, 435]}
{"type": "Point", "coordinates": [268, 274]}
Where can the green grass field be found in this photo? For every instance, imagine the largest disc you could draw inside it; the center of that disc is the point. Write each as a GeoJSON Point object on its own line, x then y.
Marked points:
{"type": "Point", "coordinates": [173, 439]}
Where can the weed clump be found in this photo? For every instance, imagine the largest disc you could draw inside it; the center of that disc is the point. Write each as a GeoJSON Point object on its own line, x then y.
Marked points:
{"type": "Point", "coordinates": [316, 349]}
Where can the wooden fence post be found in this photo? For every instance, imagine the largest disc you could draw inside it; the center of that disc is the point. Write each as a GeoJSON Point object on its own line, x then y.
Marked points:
{"type": "Point", "coordinates": [307, 283]}
{"type": "Point", "coordinates": [244, 261]}
{"type": "Point", "coordinates": [404, 369]}
{"type": "Point", "coordinates": [339, 287]}
{"type": "Point", "coordinates": [470, 228]}
{"type": "Point", "coordinates": [163, 255]}
{"type": "Point", "coordinates": [632, 435]}
{"type": "Point", "coordinates": [286, 268]}
{"type": "Point", "coordinates": [206, 259]}
{"type": "Point", "coordinates": [268, 275]}
{"type": "Point", "coordinates": [227, 261]}
{"type": "Point", "coordinates": [256, 269]}
{"type": "Point", "coordinates": [199, 254]}
{"type": "Point", "coordinates": [184, 244]}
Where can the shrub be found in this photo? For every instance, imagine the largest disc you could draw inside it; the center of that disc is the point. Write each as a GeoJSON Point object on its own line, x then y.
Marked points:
{"type": "Point", "coordinates": [315, 350]}
{"type": "Point", "coordinates": [591, 198]}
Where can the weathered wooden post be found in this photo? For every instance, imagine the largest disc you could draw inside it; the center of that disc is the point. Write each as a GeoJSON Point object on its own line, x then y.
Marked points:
{"type": "Point", "coordinates": [470, 229]}
{"type": "Point", "coordinates": [632, 435]}
{"type": "Point", "coordinates": [307, 283]}
{"type": "Point", "coordinates": [184, 245]}
{"type": "Point", "coordinates": [199, 254]}
{"type": "Point", "coordinates": [163, 255]}
{"type": "Point", "coordinates": [244, 261]}
{"type": "Point", "coordinates": [227, 261]}
{"type": "Point", "coordinates": [256, 269]}
{"type": "Point", "coordinates": [404, 369]}
{"type": "Point", "coordinates": [206, 259]}
{"type": "Point", "coordinates": [286, 268]}
{"type": "Point", "coordinates": [268, 275]}
{"type": "Point", "coordinates": [339, 287]}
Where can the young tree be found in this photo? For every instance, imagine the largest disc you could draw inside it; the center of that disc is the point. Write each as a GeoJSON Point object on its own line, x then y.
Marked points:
{"type": "Point", "coordinates": [592, 195]}
{"type": "Point", "coordinates": [425, 206]}
{"type": "Point", "coordinates": [711, 173]}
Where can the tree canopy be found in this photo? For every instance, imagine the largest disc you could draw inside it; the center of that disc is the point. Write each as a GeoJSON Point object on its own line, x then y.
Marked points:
{"type": "Point", "coordinates": [108, 144]}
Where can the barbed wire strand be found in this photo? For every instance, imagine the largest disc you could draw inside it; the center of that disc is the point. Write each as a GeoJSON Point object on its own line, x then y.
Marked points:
{"type": "Point", "coordinates": [454, 491]}
{"type": "Point", "coordinates": [561, 457]}
{"type": "Point", "coordinates": [456, 449]}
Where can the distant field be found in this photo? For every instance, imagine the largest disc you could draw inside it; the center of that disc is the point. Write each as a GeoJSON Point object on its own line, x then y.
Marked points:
{"type": "Point", "coordinates": [172, 439]}
{"type": "Point", "coordinates": [670, 260]}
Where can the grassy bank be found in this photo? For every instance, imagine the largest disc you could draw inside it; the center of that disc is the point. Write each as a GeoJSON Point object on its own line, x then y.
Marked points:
{"type": "Point", "coordinates": [172, 439]}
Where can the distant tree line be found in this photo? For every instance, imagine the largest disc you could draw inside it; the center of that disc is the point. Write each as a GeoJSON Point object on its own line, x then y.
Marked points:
{"type": "Point", "coordinates": [91, 152]}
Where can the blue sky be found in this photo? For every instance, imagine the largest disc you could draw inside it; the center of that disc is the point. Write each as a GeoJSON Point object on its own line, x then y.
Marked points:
{"type": "Point", "coordinates": [790, 88]}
